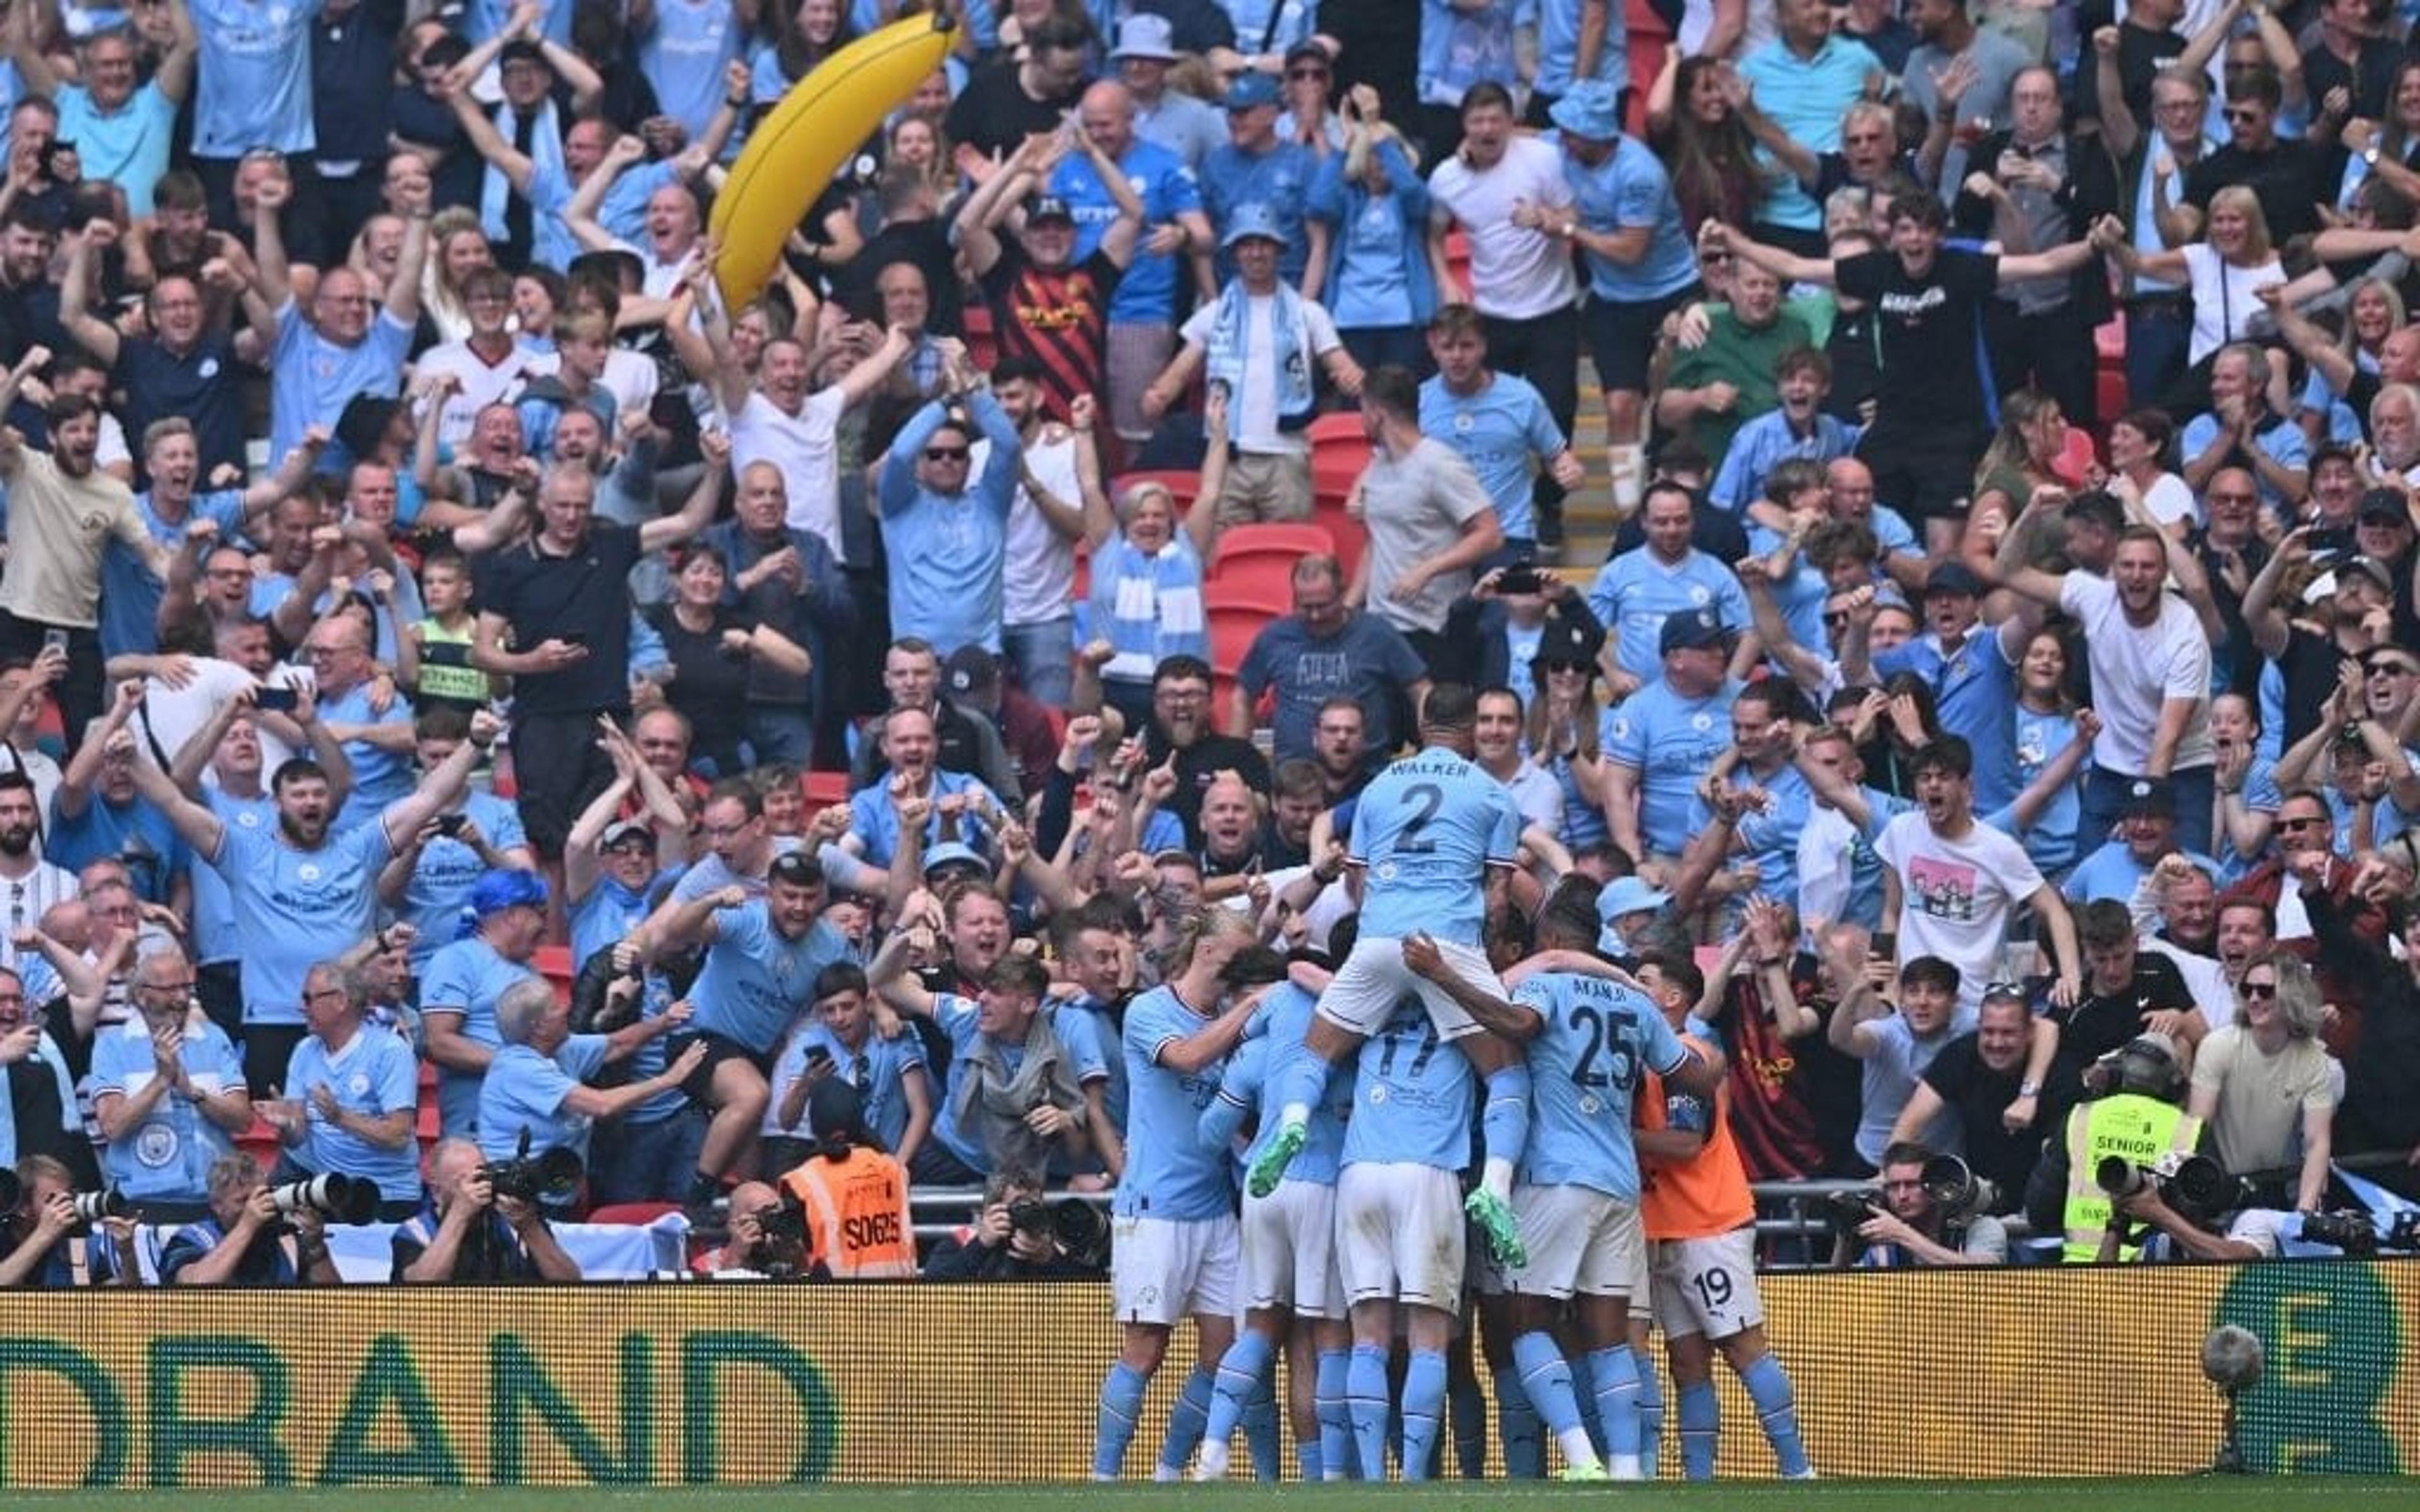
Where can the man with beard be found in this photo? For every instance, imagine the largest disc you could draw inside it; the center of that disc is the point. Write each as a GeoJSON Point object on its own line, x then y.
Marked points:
{"type": "Point", "coordinates": [1980, 1076]}
{"type": "Point", "coordinates": [62, 512]}
{"type": "Point", "coordinates": [2357, 618]}
{"type": "Point", "coordinates": [29, 883]}
{"type": "Point", "coordinates": [2150, 661]}
{"type": "Point", "coordinates": [301, 894]}
{"type": "Point", "coordinates": [231, 744]}
{"type": "Point", "coordinates": [1182, 739]}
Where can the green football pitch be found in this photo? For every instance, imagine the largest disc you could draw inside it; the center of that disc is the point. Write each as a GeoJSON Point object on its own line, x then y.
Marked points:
{"type": "Point", "coordinates": [2248, 1494]}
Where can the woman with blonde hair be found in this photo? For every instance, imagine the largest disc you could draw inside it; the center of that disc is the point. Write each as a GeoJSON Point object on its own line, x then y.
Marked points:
{"type": "Point", "coordinates": [2021, 458]}
{"type": "Point", "coordinates": [2226, 269]}
{"type": "Point", "coordinates": [457, 245]}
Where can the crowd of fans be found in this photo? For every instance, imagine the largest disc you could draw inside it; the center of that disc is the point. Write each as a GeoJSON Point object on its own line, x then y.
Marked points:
{"type": "Point", "coordinates": [415, 566]}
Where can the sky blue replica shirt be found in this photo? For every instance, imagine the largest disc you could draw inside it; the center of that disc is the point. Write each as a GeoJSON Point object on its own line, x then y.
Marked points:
{"type": "Point", "coordinates": [1501, 431]}
{"type": "Point", "coordinates": [295, 908]}
{"type": "Point", "coordinates": [466, 978]}
{"type": "Point", "coordinates": [754, 982]}
{"type": "Point", "coordinates": [167, 1156]}
{"type": "Point", "coordinates": [1427, 829]}
{"type": "Point", "coordinates": [525, 1092]}
{"type": "Point", "coordinates": [1669, 740]}
{"type": "Point", "coordinates": [374, 1074]}
{"type": "Point", "coordinates": [1412, 1097]}
{"type": "Point", "coordinates": [1170, 1172]}
{"type": "Point", "coordinates": [947, 551]}
{"type": "Point", "coordinates": [1635, 592]}
{"type": "Point", "coordinates": [1584, 1066]}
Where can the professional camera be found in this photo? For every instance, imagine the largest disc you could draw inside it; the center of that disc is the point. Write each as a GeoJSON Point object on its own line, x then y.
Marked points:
{"type": "Point", "coordinates": [1851, 1209]}
{"type": "Point", "coordinates": [550, 1178]}
{"type": "Point", "coordinates": [345, 1199]}
{"type": "Point", "coordinates": [2350, 1231]}
{"type": "Point", "coordinates": [92, 1207]}
{"type": "Point", "coordinates": [1955, 1189]}
{"type": "Point", "coordinates": [1078, 1229]}
{"type": "Point", "coordinates": [785, 1219]}
{"type": "Point", "coordinates": [2195, 1185]}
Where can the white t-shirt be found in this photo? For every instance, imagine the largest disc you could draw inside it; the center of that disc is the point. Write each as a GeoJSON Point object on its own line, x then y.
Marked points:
{"type": "Point", "coordinates": [2170, 499]}
{"type": "Point", "coordinates": [2223, 303]}
{"type": "Point", "coordinates": [1515, 273]}
{"type": "Point", "coordinates": [1256, 407]}
{"type": "Point", "coordinates": [801, 446]}
{"type": "Point", "coordinates": [1040, 582]}
{"type": "Point", "coordinates": [2205, 978]}
{"type": "Point", "coordinates": [173, 714]}
{"type": "Point", "coordinates": [483, 384]}
{"type": "Point", "coordinates": [2136, 669]}
{"type": "Point", "coordinates": [1957, 897]}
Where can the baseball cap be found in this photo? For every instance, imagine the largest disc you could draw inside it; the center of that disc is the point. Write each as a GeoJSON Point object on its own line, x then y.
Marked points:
{"type": "Point", "coordinates": [1691, 630]}
{"type": "Point", "coordinates": [1624, 895]}
{"type": "Point", "coordinates": [627, 829]}
{"type": "Point", "coordinates": [1251, 89]}
{"type": "Point", "coordinates": [1953, 578]}
{"type": "Point", "coordinates": [1252, 219]}
{"type": "Point", "coordinates": [799, 869]}
{"type": "Point", "coordinates": [1147, 36]}
{"type": "Point", "coordinates": [2384, 505]}
{"type": "Point", "coordinates": [970, 670]}
{"type": "Point", "coordinates": [1307, 48]}
{"type": "Point", "coordinates": [2151, 798]}
{"type": "Point", "coordinates": [2369, 568]}
{"type": "Point", "coordinates": [1563, 642]}
{"type": "Point", "coordinates": [952, 853]}
{"type": "Point", "coordinates": [1043, 208]}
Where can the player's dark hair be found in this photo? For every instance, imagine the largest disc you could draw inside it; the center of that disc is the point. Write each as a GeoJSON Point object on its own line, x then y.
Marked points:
{"type": "Point", "coordinates": [1678, 970]}
{"type": "Point", "coordinates": [1449, 707]}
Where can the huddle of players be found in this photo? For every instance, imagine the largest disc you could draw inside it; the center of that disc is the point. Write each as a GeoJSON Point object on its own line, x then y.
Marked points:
{"type": "Point", "coordinates": [1354, 1214]}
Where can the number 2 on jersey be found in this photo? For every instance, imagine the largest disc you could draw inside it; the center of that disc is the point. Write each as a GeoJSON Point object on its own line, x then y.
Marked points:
{"type": "Point", "coordinates": [1425, 800]}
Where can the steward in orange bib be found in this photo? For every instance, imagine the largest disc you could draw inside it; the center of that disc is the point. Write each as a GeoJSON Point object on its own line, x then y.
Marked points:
{"type": "Point", "coordinates": [851, 1194]}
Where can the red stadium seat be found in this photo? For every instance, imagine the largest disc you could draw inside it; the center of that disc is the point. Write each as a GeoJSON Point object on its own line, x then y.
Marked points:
{"type": "Point", "coordinates": [1649, 40]}
{"type": "Point", "coordinates": [1243, 546]}
{"type": "Point", "coordinates": [553, 963]}
{"type": "Point", "coordinates": [1351, 537]}
{"type": "Point", "coordinates": [1182, 484]}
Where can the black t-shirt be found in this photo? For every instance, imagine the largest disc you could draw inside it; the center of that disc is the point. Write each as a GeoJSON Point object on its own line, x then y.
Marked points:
{"type": "Point", "coordinates": [2370, 76]}
{"type": "Point", "coordinates": [708, 687]}
{"type": "Point", "coordinates": [2290, 180]}
{"type": "Point", "coordinates": [994, 115]}
{"type": "Point", "coordinates": [1929, 327]}
{"type": "Point", "coordinates": [2309, 668]}
{"type": "Point", "coordinates": [583, 594]}
{"type": "Point", "coordinates": [925, 243]}
{"type": "Point", "coordinates": [2106, 1021]}
{"type": "Point", "coordinates": [2139, 54]}
{"type": "Point", "coordinates": [1197, 764]}
{"type": "Point", "coordinates": [1979, 1095]}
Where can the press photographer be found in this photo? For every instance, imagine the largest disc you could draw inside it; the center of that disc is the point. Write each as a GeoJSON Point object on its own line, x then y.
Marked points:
{"type": "Point", "coordinates": [768, 1236]}
{"type": "Point", "coordinates": [1020, 1236]}
{"type": "Point", "coordinates": [253, 1237]}
{"type": "Point", "coordinates": [481, 1223]}
{"type": "Point", "coordinates": [1934, 1211]}
{"type": "Point", "coordinates": [55, 1236]}
{"type": "Point", "coordinates": [2195, 1208]}
{"type": "Point", "coordinates": [2134, 1113]}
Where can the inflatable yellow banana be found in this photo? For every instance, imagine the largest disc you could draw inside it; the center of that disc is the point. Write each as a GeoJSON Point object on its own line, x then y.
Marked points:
{"type": "Point", "coordinates": [795, 149]}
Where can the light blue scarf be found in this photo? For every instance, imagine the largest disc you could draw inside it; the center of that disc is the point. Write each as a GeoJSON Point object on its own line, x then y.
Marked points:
{"type": "Point", "coordinates": [1229, 338]}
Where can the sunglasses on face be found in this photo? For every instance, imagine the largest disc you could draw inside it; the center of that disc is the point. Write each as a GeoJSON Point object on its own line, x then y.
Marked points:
{"type": "Point", "coordinates": [946, 453]}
